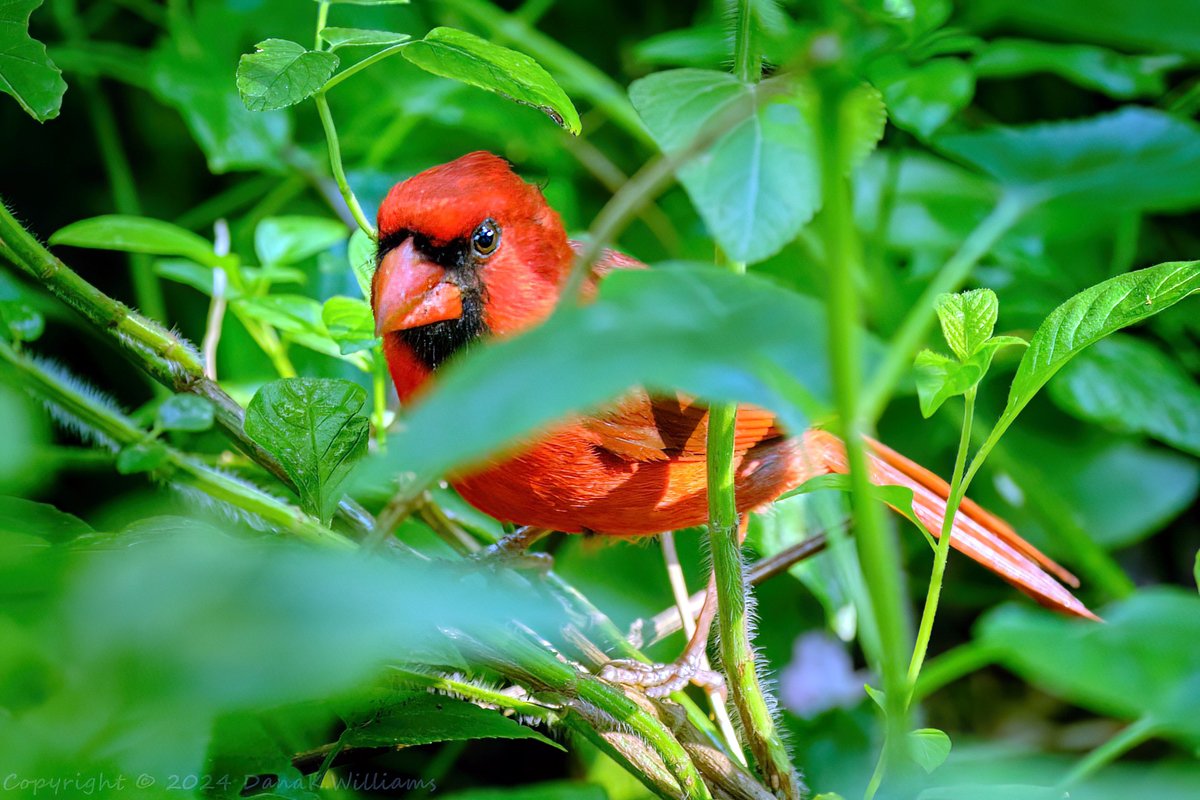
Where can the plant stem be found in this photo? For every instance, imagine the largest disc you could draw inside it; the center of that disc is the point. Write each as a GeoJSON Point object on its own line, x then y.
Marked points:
{"type": "Point", "coordinates": [339, 172]}
{"type": "Point", "coordinates": [878, 551]}
{"type": "Point", "coordinates": [1129, 737]}
{"type": "Point", "coordinates": [354, 69]}
{"type": "Point", "coordinates": [958, 488]}
{"type": "Point", "coordinates": [747, 60]}
{"type": "Point", "coordinates": [952, 665]}
{"type": "Point", "coordinates": [322, 18]}
{"type": "Point", "coordinates": [949, 278]}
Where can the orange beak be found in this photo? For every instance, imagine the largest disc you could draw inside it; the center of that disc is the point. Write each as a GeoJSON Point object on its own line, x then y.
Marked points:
{"type": "Point", "coordinates": [410, 291]}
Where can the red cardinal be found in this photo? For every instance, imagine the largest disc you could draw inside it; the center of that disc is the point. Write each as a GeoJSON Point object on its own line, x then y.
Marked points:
{"type": "Point", "coordinates": [468, 250]}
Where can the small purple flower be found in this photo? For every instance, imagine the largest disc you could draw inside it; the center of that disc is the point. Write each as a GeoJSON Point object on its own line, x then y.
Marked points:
{"type": "Point", "coordinates": [820, 677]}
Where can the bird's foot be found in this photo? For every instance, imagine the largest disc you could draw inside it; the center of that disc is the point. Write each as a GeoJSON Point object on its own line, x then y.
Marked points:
{"type": "Point", "coordinates": [660, 680]}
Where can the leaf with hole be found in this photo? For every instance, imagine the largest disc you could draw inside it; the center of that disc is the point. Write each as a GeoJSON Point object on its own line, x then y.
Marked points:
{"type": "Point", "coordinates": [280, 73]}
{"type": "Point", "coordinates": [477, 62]}
{"type": "Point", "coordinates": [315, 427]}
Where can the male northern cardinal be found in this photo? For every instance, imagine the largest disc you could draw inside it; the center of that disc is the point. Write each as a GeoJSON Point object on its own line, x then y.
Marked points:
{"type": "Point", "coordinates": [467, 251]}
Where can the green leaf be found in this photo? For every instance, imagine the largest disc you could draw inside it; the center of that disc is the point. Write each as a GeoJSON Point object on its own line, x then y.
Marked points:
{"type": "Point", "coordinates": [288, 240]}
{"type": "Point", "coordinates": [899, 498]}
{"type": "Point", "coordinates": [361, 254]}
{"type": "Point", "coordinates": [315, 428]}
{"type": "Point", "coordinates": [141, 457]}
{"type": "Point", "coordinates": [477, 62]}
{"type": "Point", "coordinates": [26, 72]}
{"type": "Point", "coordinates": [967, 319]}
{"type": "Point", "coordinates": [138, 235]}
{"type": "Point", "coordinates": [1143, 662]}
{"type": "Point", "coordinates": [759, 183]}
{"type": "Point", "coordinates": [1157, 25]}
{"type": "Point", "coordinates": [923, 98]}
{"type": "Point", "coordinates": [280, 73]}
{"type": "Point", "coordinates": [940, 377]}
{"type": "Point", "coordinates": [929, 747]}
{"type": "Point", "coordinates": [23, 322]}
{"type": "Point", "coordinates": [350, 323]}
{"type": "Point", "coordinates": [1115, 74]}
{"type": "Point", "coordinates": [294, 313]}
{"type": "Point", "coordinates": [358, 37]}
{"type": "Point", "coordinates": [1090, 316]}
{"type": "Point", "coordinates": [18, 515]}
{"type": "Point", "coordinates": [424, 718]}
{"type": "Point", "coordinates": [185, 412]}
{"type": "Point", "coordinates": [1131, 159]}
{"type": "Point", "coordinates": [370, 2]}
{"type": "Point", "coordinates": [1129, 385]}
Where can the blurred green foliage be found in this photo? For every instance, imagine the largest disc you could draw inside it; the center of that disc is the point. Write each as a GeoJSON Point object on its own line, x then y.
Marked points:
{"type": "Point", "coordinates": [157, 624]}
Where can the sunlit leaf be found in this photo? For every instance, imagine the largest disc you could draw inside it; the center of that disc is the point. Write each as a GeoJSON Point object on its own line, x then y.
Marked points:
{"type": "Point", "coordinates": [350, 323]}
{"type": "Point", "coordinates": [294, 313]}
{"type": "Point", "coordinates": [185, 412]}
{"type": "Point", "coordinates": [423, 718]}
{"type": "Point", "coordinates": [315, 428]}
{"type": "Point", "coordinates": [137, 235]}
{"type": "Point", "coordinates": [940, 377]}
{"type": "Point", "coordinates": [465, 57]}
{"type": "Point", "coordinates": [287, 240]}
{"type": "Point", "coordinates": [280, 73]}
{"type": "Point", "coordinates": [26, 72]}
{"type": "Point", "coordinates": [967, 319]}
{"type": "Point", "coordinates": [759, 183]}
{"type": "Point", "coordinates": [1116, 74]}
{"type": "Point", "coordinates": [359, 37]}
{"type": "Point", "coordinates": [899, 498]}
{"type": "Point", "coordinates": [361, 254]}
{"type": "Point", "coordinates": [929, 747]}
{"type": "Point", "coordinates": [1129, 385]}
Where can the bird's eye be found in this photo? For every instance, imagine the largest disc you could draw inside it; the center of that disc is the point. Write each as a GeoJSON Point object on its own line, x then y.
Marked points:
{"type": "Point", "coordinates": [486, 238]}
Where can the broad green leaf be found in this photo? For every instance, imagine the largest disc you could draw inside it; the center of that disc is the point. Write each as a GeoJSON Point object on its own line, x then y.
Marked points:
{"type": "Point", "coordinates": [26, 72]}
{"type": "Point", "coordinates": [1090, 316]}
{"type": "Point", "coordinates": [900, 498]}
{"type": "Point", "coordinates": [23, 322]}
{"type": "Point", "coordinates": [1131, 159]}
{"type": "Point", "coordinates": [699, 47]}
{"type": "Point", "coordinates": [280, 73]}
{"type": "Point", "coordinates": [315, 428]}
{"type": "Point", "coordinates": [138, 235]}
{"type": "Point", "coordinates": [1142, 662]}
{"type": "Point", "coordinates": [1157, 25]}
{"type": "Point", "coordinates": [967, 319]}
{"type": "Point", "coordinates": [350, 323]}
{"type": "Point", "coordinates": [288, 240]}
{"type": "Point", "coordinates": [361, 254]}
{"type": "Point", "coordinates": [924, 97]}
{"type": "Point", "coordinates": [141, 457]}
{"type": "Point", "coordinates": [293, 313]}
{"type": "Point", "coordinates": [1115, 74]}
{"type": "Point", "coordinates": [1129, 385]}
{"type": "Point", "coordinates": [357, 37]}
{"type": "Point", "coordinates": [929, 747]}
{"type": "Point", "coordinates": [940, 377]}
{"type": "Point", "coordinates": [758, 184]}
{"type": "Point", "coordinates": [185, 412]}
{"type": "Point", "coordinates": [424, 718]}
{"type": "Point", "coordinates": [477, 62]}
{"type": "Point", "coordinates": [18, 515]}
{"type": "Point", "coordinates": [701, 330]}
{"type": "Point", "coordinates": [187, 272]}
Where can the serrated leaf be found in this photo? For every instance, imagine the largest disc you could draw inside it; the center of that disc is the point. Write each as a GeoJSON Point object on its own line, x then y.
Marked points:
{"type": "Point", "coordinates": [759, 183]}
{"type": "Point", "coordinates": [26, 72]}
{"type": "Point", "coordinates": [1090, 316]}
{"type": "Point", "coordinates": [360, 37]}
{"type": "Point", "coordinates": [1129, 385]}
{"type": "Point", "coordinates": [280, 73]}
{"type": "Point", "coordinates": [929, 747]}
{"type": "Point", "coordinates": [315, 428]}
{"type": "Point", "coordinates": [185, 412]}
{"type": "Point", "coordinates": [138, 235]}
{"type": "Point", "coordinates": [23, 322]}
{"type": "Point", "coordinates": [141, 457]}
{"type": "Point", "coordinates": [361, 254]}
{"type": "Point", "coordinates": [288, 240]}
{"type": "Point", "coordinates": [424, 718]}
{"type": "Point", "coordinates": [967, 319]}
{"type": "Point", "coordinates": [350, 323]}
{"type": "Point", "coordinates": [465, 57]}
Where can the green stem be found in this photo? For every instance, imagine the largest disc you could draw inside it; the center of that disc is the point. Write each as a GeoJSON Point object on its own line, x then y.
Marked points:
{"type": "Point", "coordinates": [1129, 737]}
{"type": "Point", "coordinates": [179, 467]}
{"type": "Point", "coordinates": [358, 67]}
{"type": "Point", "coordinates": [949, 278]}
{"type": "Point", "coordinates": [878, 551]}
{"type": "Point", "coordinates": [747, 59]}
{"type": "Point", "coordinates": [339, 172]}
{"type": "Point", "coordinates": [322, 18]}
{"type": "Point", "coordinates": [951, 665]}
{"type": "Point", "coordinates": [957, 489]}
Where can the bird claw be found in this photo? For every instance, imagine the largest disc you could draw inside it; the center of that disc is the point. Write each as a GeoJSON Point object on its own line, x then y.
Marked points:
{"type": "Point", "coordinates": [660, 680]}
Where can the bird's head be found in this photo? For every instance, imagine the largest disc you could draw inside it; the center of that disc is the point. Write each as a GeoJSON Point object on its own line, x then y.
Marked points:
{"type": "Point", "coordinates": [466, 249]}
